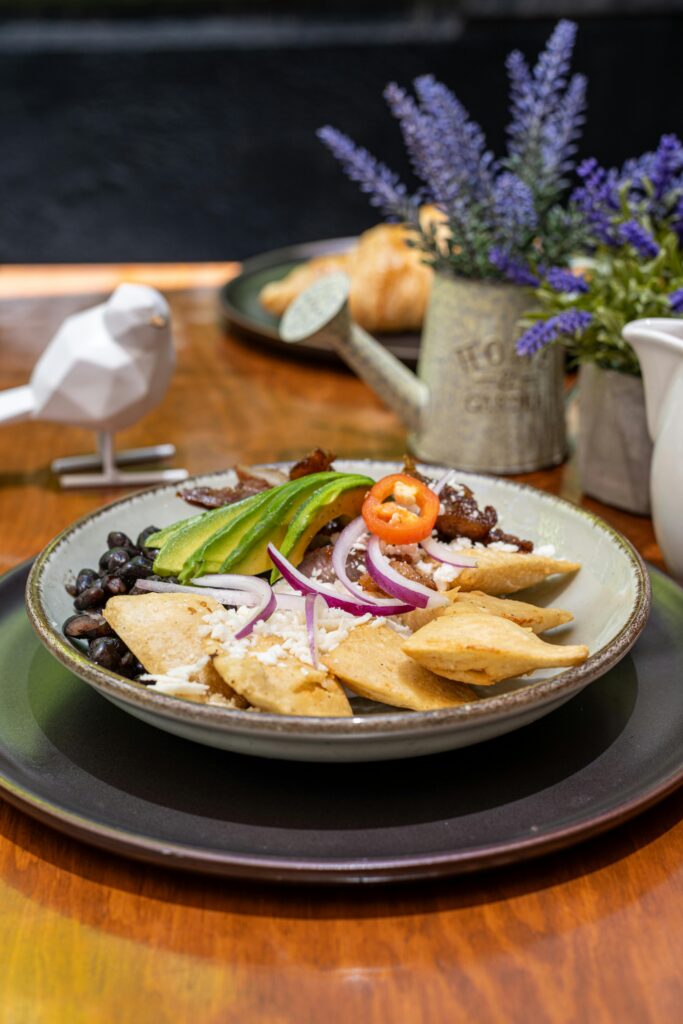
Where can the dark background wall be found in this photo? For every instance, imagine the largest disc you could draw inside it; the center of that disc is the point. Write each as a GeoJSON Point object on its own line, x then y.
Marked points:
{"type": "Point", "coordinates": [167, 140]}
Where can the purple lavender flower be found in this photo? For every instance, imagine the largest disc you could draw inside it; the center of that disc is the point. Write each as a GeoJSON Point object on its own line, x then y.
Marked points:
{"type": "Point", "coordinates": [597, 198]}
{"type": "Point", "coordinates": [561, 280]}
{"type": "Point", "coordinates": [513, 269]}
{"type": "Point", "coordinates": [569, 322]}
{"type": "Point", "coordinates": [513, 205]}
{"type": "Point", "coordinates": [472, 164]}
{"type": "Point", "coordinates": [667, 163]}
{"type": "Point", "coordinates": [561, 132]}
{"type": "Point", "coordinates": [382, 185]}
{"type": "Point", "coordinates": [676, 300]}
{"type": "Point", "coordinates": [547, 114]}
{"type": "Point", "coordinates": [642, 241]}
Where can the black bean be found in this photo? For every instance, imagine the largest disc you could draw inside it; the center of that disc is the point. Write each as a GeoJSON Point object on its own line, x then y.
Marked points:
{"type": "Point", "coordinates": [116, 539]}
{"type": "Point", "coordinates": [147, 532]}
{"type": "Point", "coordinates": [70, 586]}
{"type": "Point", "coordinates": [114, 586]}
{"type": "Point", "coordinates": [86, 627]}
{"type": "Point", "coordinates": [138, 568]}
{"type": "Point", "coordinates": [113, 559]}
{"type": "Point", "coordinates": [107, 651]}
{"type": "Point", "coordinates": [86, 578]}
{"type": "Point", "coordinates": [93, 597]}
{"type": "Point", "coordinates": [130, 666]}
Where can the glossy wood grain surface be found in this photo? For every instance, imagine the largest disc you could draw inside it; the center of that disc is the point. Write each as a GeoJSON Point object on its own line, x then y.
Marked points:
{"type": "Point", "coordinates": [591, 934]}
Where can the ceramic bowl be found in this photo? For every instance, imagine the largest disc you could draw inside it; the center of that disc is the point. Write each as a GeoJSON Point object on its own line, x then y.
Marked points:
{"type": "Point", "coordinates": [609, 597]}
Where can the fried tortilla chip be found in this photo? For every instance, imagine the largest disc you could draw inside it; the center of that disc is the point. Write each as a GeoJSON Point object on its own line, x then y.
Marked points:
{"type": "Point", "coordinates": [504, 572]}
{"type": "Point", "coordinates": [286, 686]}
{"type": "Point", "coordinates": [528, 615]}
{"type": "Point", "coordinates": [370, 662]}
{"type": "Point", "coordinates": [163, 632]}
{"type": "Point", "coordinates": [482, 649]}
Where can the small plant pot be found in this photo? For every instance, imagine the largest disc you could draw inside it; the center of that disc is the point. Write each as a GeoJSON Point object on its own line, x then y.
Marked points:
{"type": "Point", "coordinates": [615, 450]}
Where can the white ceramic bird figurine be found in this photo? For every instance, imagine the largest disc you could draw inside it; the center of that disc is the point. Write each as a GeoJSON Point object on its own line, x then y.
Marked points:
{"type": "Point", "coordinates": [104, 369]}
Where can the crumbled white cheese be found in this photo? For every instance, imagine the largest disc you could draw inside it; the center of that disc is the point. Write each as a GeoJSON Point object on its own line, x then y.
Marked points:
{"type": "Point", "coordinates": [499, 545]}
{"type": "Point", "coordinates": [178, 681]}
{"type": "Point", "coordinates": [285, 625]}
{"type": "Point", "coordinates": [175, 687]}
{"type": "Point", "coordinates": [545, 550]}
{"type": "Point", "coordinates": [443, 575]}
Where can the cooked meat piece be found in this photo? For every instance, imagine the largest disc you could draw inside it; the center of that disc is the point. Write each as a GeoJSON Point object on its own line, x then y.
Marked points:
{"type": "Point", "coordinates": [462, 517]}
{"type": "Point", "coordinates": [317, 461]}
{"type": "Point", "coordinates": [527, 546]}
{"type": "Point", "coordinates": [410, 469]}
{"type": "Point", "coordinates": [406, 568]}
{"type": "Point", "coordinates": [319, 560]}
{"type": "Point", "coordinates": [217, 497]}
{"type": "Point", "coordinates": [272, 477]}
{"type": "Point", "coordinates": [318, 563]}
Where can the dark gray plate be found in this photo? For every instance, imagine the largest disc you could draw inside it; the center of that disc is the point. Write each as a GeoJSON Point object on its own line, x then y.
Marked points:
{"type": "Point", "coordinates": [243, 312]}
{"type": "Point", "coordinates": [75, 761]}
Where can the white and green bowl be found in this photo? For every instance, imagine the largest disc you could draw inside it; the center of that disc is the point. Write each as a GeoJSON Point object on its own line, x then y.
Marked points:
{"type": "Point", "coordinates": [609, 597]}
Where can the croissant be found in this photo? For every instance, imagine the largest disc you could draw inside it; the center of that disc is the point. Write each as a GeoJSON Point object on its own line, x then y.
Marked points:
{"type": "Point", "coordinates": [390, 284]}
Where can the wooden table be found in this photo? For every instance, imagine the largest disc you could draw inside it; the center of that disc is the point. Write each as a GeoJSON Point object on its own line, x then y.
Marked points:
{"type": "Point", "coordinates": [590, 934]}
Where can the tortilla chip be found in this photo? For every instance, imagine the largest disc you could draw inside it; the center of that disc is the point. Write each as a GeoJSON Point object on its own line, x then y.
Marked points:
{"type": "Point", "coordinates": [285, 687]}
{"type": "Point", "coordinates": [504, 572]}
{"type": "Point", "coordinates": [163, 632]}
{"type": "Point", "coordinates": [482, 649]}
{"type": "Point", "coordinates": [370, 662]}
{"type": "Point", "coordinates": [530, 616]}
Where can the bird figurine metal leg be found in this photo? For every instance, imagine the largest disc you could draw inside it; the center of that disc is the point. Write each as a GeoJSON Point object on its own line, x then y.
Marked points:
{"type": "Point", "coordinates": [107, 462]}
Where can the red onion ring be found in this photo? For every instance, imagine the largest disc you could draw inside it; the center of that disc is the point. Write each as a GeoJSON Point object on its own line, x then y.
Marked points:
{"type": "Point", "coordinates": [258, 594]}
{"type": "Point", "coordinates": [231, 597]}
{"type": "Point", "coordinates": [441, 482]}
{"type": "Point", "coordinates": [340, 553]}
{"type": "Point", "coordinates": [392, 582]}
{"type": "Point", "coordinates": [305, 585]}
{"type": "Point", "coordinates": [261, 589]}
{"type": "Point", "coordinates": [445, 553]}
{"type": "Point", "coordinates": [286, 601]}
{"type": "Point", "coordinates": [313, 602]}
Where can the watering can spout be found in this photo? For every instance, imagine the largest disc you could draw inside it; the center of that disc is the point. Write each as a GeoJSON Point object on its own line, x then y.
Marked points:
{"type": "Point", "coordinates": [322, 312]}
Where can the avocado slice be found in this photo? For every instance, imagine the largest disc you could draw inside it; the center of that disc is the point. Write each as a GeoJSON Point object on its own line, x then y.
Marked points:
{"type": "Point", "coordinates": [194, 531]}
{"type": "Point", "coordinates": [158, 539]}
{"type": "Point", "coordinates": [337, 498]}
{"type": "Point", "coordinates": [234, 546]}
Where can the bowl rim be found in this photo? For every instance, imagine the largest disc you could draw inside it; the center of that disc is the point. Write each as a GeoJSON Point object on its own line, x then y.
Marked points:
{"type": "Point", "coordinates": [229, 720]}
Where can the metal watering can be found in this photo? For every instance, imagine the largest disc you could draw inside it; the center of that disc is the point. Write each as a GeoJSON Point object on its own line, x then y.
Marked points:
{"type": "Point", "coordinates": [474, 403]}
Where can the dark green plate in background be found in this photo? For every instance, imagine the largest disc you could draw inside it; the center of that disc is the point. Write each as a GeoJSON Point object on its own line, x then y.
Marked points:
{"type": "Point", "coordinates": [74, 761]}
{"type": "Point", "coordinates": [242, 312]}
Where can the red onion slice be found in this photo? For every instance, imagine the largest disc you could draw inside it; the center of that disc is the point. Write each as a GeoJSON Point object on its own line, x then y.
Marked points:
{"type": "Point", "coordinates": [441, 482]}
{"type": "Point", "coordinates": [313, 602]}
{"type": "Point", "coordinates": [231, 597]}
{"type": "Point", "coordinates": [261, 589]}
{"type": "Point", "coordinates": [395, 584]}
{"type": "Point", "coordinates": [305, 585]}
{"type": "Point", "coordinates": [340, 553]}
{"type": "Point", "coordinates": [258, 594]}
{"type": "Point", "coordinates": [445, 553]}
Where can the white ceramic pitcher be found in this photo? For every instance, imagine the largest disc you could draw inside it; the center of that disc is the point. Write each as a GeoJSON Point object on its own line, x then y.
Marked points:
{"type": "Point", "coordinates": [658, 342]}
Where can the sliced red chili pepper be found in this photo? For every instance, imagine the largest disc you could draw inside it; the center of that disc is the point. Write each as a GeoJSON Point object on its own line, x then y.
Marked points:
{"type": "Point", "coordinates": [389, 509]}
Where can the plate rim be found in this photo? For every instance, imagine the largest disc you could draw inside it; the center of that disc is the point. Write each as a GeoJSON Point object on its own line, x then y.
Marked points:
{"type": "Point", "coordinates": [230, 720]}
{"type": "Point", "coordinates": [376, 870]}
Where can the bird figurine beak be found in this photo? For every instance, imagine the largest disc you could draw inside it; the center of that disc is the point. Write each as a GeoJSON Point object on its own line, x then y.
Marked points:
{"type": "Point", "coordinates": [158, 321]}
